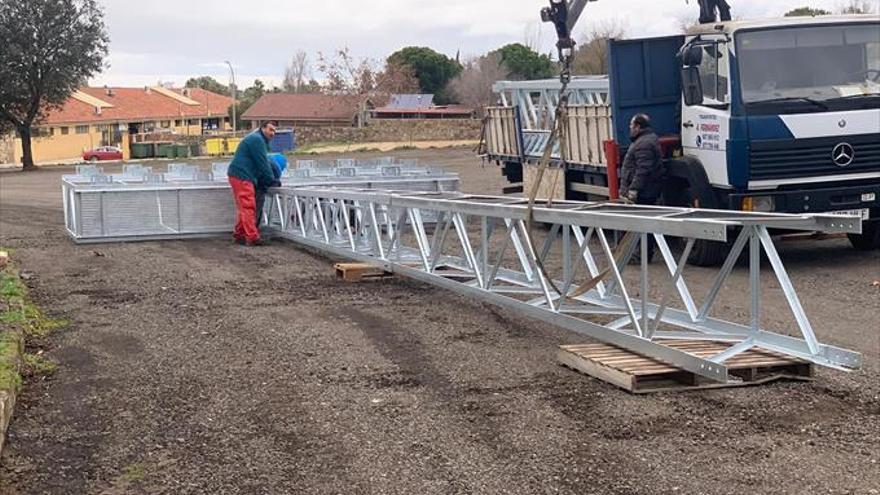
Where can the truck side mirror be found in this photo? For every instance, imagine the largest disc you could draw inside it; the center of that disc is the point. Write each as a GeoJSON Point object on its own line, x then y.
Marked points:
{"type": "Point", "coordinates": [692, 55]}
{"type": "Point", "coordinates": [691, 85]}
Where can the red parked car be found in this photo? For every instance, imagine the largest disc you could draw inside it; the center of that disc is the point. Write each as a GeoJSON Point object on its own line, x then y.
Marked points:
{"type": "Point", "coordinates": [102, 153]}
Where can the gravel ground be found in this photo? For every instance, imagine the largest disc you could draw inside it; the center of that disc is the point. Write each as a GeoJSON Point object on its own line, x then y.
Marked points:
{"type": "Point", "coordinates": [203, 367]}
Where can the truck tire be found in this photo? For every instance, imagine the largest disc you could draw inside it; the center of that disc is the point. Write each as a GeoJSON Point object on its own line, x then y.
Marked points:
{"type": "Point", "coordinates": [687, 185]}
{"type": "Point", "coordinates": [708, 253]}
{"type": "Point", "coordinates": [869, 238]}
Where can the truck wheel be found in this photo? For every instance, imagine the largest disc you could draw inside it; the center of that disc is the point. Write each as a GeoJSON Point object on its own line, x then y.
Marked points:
{"type": "Point", "coordinates": [868, 239]}
{"type": "Point", "coordinates": [704, 253]}
{"type": "Point", "coordinates": [708, 253]}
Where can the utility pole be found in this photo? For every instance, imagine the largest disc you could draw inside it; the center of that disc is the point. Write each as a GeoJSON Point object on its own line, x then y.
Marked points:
{"type": "Point", "coordinates": [232, 84]}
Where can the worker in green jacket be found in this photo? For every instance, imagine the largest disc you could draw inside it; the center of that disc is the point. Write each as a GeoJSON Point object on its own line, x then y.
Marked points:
{"type": "Point", "coordinates": [250, 171]}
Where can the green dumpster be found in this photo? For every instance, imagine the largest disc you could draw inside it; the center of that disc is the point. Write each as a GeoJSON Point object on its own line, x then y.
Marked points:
{"type": "Point", "coordinates": [181, 151]}
{"type": "Point", "coordinates": [142, 150]}
{"type": "Point", "coordinates": [164, 150]}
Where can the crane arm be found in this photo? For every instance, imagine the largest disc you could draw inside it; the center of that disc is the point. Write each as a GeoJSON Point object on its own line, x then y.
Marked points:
{"type": "Point", "coordinates": [564, 15]}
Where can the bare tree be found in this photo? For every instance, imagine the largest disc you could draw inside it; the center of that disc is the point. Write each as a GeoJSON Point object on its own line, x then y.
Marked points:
{"type": "Point", "coordinates": [857, 7]}
{"type": "Point", "coordinates": [397, 78]}
{"type": "Point", "coordinates": [297, 73]}
{"type": "Point", "coordinates": [473, 87]}
{"type": "Point", "coordinates": [591, 56]}
{"type": "Point", "coordinates": [346, 74]}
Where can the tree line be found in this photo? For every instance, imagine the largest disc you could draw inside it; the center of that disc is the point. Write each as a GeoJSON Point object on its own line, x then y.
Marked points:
{"type": "Point", "coordinates": [414, 69]}
{"type": "Point", "coordinates": [451, 80]}
{"type": "Point", "coordinates": [418, 69]}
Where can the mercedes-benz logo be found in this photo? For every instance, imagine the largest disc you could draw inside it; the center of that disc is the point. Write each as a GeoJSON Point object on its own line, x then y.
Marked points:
{"type": "Point", "coordinates": [843, 154]}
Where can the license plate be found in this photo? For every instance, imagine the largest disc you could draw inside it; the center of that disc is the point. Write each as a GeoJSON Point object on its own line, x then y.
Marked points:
{"type": "Point", "coordinates": [864, 213]}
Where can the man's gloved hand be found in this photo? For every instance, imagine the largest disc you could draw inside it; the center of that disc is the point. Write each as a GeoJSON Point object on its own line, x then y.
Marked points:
{"type": "Point", "coordinates": [632, 195]}
{"type": "Point", "coordinates": [275, 183]}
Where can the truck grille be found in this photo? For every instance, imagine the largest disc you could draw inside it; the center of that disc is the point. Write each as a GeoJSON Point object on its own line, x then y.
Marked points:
{"type": "Point", "coordinates": [793, 158]}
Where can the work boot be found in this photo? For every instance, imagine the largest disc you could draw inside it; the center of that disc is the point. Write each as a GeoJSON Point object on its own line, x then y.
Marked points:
{"type": "Point", "coordinates": [258, 242]}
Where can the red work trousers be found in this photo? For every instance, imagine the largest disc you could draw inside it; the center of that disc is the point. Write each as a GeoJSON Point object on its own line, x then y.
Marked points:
{"type": "Point", "coordinates": [246, 210]}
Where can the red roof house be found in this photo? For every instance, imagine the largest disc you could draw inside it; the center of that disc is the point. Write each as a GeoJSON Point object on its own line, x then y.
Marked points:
{"type": "Point", "coordinates": [309, 109]}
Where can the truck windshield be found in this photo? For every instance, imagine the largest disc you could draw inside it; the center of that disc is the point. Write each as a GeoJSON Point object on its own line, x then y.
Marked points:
{"type": "Point", "coordinates": [810, 68]}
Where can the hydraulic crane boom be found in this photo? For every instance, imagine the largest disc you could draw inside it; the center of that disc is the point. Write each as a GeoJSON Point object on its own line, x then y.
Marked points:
{"type": "Point", "coordinates": [564, 15]}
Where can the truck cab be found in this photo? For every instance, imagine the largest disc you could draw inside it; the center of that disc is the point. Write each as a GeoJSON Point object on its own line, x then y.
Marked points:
{"type": "Point", "coordinates": [777, 115]}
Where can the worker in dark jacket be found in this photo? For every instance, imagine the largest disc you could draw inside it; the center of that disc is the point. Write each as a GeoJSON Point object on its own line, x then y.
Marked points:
{"type": "Point", "coordinates": [641, 176]}
{"type": "Point", "coordinates": [248, 172]}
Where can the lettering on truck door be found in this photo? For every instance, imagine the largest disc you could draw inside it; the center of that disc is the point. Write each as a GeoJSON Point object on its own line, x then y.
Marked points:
{"type": "Point", "coordinates": [705, 127]}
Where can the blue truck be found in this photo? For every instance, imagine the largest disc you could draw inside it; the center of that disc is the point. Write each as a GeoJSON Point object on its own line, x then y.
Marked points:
{"type": "Point", "coordinates": [776, 115]}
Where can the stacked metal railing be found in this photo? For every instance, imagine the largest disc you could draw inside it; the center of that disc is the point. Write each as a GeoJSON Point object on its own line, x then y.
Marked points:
{"type": "Point", "coordinates": [186, 201]}
{"type": "Point", "coordinates": [519, 129]}
{"type": "Point", "coordinates": [575, 277]}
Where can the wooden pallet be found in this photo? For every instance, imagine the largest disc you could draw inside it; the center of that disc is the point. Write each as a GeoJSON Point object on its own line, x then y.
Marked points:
{"type": "Point", "coordinates": [358, 272]}
{"type": "Point", "coordinates": [639, 374]}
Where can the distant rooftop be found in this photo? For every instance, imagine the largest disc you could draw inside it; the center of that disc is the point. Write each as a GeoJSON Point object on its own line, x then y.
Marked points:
{"type": "Point", "coordinates": [88, 105]}
{"type": "Point", "coordinates": [304, 107]}
{"type": "Point", "coordinates": [410, 101]}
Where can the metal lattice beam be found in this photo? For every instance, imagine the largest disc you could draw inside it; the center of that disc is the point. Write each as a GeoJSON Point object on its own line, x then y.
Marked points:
{"type": "Point", "coordinates": [479, 246]}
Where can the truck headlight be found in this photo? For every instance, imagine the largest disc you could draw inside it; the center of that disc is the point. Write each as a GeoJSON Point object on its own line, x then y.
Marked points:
{"type": "Point", "coordinates": [758, 203]}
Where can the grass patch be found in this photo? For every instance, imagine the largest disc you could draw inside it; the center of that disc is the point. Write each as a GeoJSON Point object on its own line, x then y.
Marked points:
{"type": "Point", "coordinates": [17, 310]}
{"type": "Point", "coordinates": [30, 319]}
{"type": "Point", "coordinates": [21, 320]}
{"type": "Point", "coordinates": [36, 364]}
{"type": "Point", "coordinates": [10, 348]}
{"type": "Point", "coordinates": [11, 286]}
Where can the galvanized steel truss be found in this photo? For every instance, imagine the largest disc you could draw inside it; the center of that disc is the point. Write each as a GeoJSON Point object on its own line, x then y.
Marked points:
{"type": "Point", "coordinates": [576, 277]}
{"type": "Point", "coordinates": [185, 201]}
{"type": "Point", "coordinates": [537, 100]}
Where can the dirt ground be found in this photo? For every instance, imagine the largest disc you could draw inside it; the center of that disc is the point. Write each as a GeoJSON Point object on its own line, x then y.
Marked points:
{"type": "Point", "coordinates": [202, 367]}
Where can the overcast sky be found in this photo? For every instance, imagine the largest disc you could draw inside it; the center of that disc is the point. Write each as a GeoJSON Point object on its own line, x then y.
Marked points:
{"type": "Point", "coordinates": [172, 40]}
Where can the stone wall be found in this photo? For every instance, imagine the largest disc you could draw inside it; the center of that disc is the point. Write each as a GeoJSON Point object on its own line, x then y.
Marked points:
{"type": "Point", "coordinates": [384, 130]}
